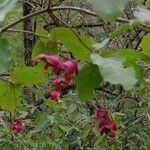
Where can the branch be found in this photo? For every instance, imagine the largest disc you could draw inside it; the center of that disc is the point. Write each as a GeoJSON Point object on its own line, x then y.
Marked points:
{"type": "Point", "coordinates": [30, 32]}
{"type": "Point", "coordinates": [22, 19]}
{"type": "Point", "coordinates": [83, 25]}
{"type": "Point", "coordinates": [88, 12]}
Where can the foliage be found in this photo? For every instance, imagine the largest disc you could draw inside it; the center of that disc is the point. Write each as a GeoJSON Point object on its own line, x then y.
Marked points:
{"type": "Point", "coordinates": [80, 91]}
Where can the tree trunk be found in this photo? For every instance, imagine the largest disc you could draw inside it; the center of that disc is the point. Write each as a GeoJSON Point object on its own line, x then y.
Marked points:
{"type": "Point", "coordinates": [28, 46]}
{"type": "Point", "coordinates": [28, 38]}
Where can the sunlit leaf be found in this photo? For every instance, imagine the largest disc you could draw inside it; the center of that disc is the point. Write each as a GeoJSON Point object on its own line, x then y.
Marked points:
{"type": "Point", "coordinates": [10, 95]}
{"type": "Point", "coordinates": [124, 28]}
{"type": "Point", "coordinates": [39, 48]}
{"type": "Point", "coordinates": [41, 31]}
{"type": "Point", "coordinates": [146, 44]}
{"type": "Point", "coordinates": [72, 42]}
{"type": "Point", "coordinates": [28, 76]}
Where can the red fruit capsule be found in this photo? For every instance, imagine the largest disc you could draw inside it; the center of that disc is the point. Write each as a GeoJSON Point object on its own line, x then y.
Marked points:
{"type": "Point", "coordinates": [68, 76]}
{"type": "Point", "coordinates": [39, 58]}
{"type": "Point", "coordinates": [51, 61]}
{"type": "Point", "coordinates": [70, 66]}
{"type": "Point", "coordinates": [54, 62]}
{"type": "Point", "coordinates": [60, 83]}
{"type": "Point", "coordinates": [16, 126]}
{"type": "Point", "coordinates": [112, 134]}
{"type": "Point", "coordinates": [100, 113]}
{"type": "Point", "coordinates": [54, 95]}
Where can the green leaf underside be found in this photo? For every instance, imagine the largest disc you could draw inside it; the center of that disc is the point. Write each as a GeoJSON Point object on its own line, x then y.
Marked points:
{"type": "Point", "coordinates": [142, 14]}
{"type": "Point", "coordinates": [10, 96]}
{"type": "Point", "coordinates": [29, 76]}
{"type": "Point", "coordinates": [131, 57]}
{"type": "Point", "coordinates": [72, 43]}
{"type": "Point", "coordinates": [109, 9]}
{"type": "Point", "coordinates": [87, 80]}
{"type": "Point", "coordinates": [113, 71]}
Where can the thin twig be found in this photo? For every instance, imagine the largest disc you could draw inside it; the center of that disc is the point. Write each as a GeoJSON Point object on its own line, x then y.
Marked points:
{"type": "Point", "coordinates": [30, 32]}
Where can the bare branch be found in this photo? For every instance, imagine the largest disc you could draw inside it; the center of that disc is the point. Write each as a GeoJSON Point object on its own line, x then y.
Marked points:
{"type": "Point", "coordinates": [88, 12]}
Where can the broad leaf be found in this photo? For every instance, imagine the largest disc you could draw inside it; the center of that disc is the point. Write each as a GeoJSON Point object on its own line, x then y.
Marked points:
{"type": "Point", "coordinates": [124, 28]}
{"type": "Point", "coordinates": [131, 57]}
{"type": "Point", "coordinates": [110, 9]}
{"type": "Point", "coordinates": [72, 43]}
{"type": "Point", "coordinates": [4, 55]}
{"type": "Point", "coordinates": [9, 96]}
{"type": "Point", "coordinates": [39, 48]}
{"type": "Point", "coordinates": [128, 54]}
{"type": "Point", "coordinates": [139, 73]}
{"type": "Point", "coordinates": [43, 32]}
{"type": "Point", "coordinates": [87, 80]}
{"type": "Point", "coordinates": [146, 44]}
{"type": "Point", "coordinates": [87, 40]}
{"type": "Point", "coordinates": [28, 76]}
{"type": "Point", "coordinates": [113, 71]}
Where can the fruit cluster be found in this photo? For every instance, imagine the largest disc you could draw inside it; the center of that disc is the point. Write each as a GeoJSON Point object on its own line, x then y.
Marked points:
{"type": "Point", "coordinates": [64, 69]}
{"type": "Point", "coordinates": [105, 124]}
{"type": "Point", "coordinates": [16, 126]}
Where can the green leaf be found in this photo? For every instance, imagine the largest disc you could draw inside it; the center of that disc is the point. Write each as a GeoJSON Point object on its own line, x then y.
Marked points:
{"type": "Point", "coordinates": [87, 80]}
{"type": "Point", "coordinates": [43, 32]}
{"type": "Point", "coordinates": [40, 117]}
{"type": "Point", "coordinates": [39, 48]}
{"type": "Point", "coordinates": [87, 40]}
{"type": "Point", "coordinates": [52, 46]}
{"type": "Point", "coordinates": [28, 76]}
{"type": "Point", "coordinates": [138, 69]}
{"type": "Point", "coordinates": [72, 42]}
{"type": "Point", "coordinates": [117, 117]}
{"type": "Point", "coordinates": [124, 28]}
{"type": "Point", "coordinates": [4, 55]}
{"type": "Point", "coordinates": [146, 44]}
{"type": "Point", "coordinates": [128, 54]}
{"type": "Point", "coordinates": [109, 9]}
{"type": "Point", "coordinates": [113, 71]}
{"type": "Point", "coordinates": [10, 95]}
{"type": "Point", "coordinates": [54, 106]}
{"type": "Point", "coordinates": [5, 7]}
